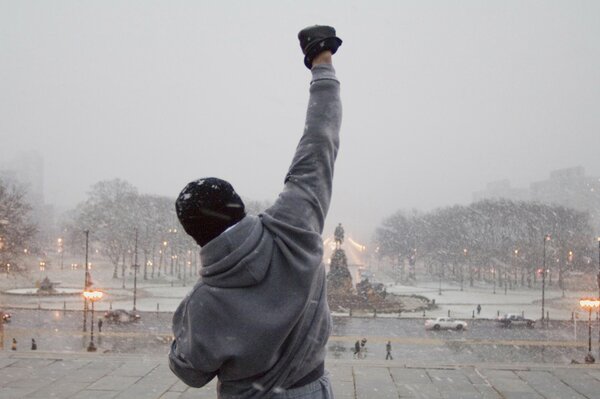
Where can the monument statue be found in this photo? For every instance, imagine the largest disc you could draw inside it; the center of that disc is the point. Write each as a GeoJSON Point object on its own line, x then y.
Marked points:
{"type": "Point", "coordinates": [338, 236]}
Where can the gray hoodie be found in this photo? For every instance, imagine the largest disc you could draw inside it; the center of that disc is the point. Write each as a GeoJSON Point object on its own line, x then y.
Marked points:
{"type": "Point", "coordinates": [259, 319]}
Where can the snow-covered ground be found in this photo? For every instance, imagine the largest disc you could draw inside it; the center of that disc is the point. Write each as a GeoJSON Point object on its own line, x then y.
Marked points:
{"type": "Point", "coordinates": [165, 293]}
{"type": "Point", "coordinates": [463, 304]}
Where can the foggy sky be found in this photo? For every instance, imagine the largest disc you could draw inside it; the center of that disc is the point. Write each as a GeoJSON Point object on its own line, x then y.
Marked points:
{"type": "Point", "coordinates": [439, 97]}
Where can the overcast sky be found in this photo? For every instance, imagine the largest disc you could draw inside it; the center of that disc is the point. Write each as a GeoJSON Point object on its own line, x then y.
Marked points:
{"type": "Point", "coordinates": [440, 97]}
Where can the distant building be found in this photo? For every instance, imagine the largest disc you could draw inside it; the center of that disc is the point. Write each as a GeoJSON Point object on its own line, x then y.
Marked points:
{"type": "Point", "coordinates": [502, 189]}
{"type": "Point", "coordinates": [27, 170]}
{"type": "Point", "coordinates": [568, 187]}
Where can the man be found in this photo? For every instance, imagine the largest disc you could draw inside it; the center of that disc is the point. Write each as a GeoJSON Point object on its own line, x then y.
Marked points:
{"type": "Point", "coordinates": [356, 349]}
{"type": "Point", "coordinates": [388, 350]}
{"type": "Point", "coordinates": [259, 320]}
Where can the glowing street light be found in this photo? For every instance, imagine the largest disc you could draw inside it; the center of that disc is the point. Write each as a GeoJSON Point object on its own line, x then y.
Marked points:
{"type": "Point", "coordinates": [462, 270]}
{"type": "Point", "coordinates": [86, 281]}
{"type": "Point", "coordinates": [598, 280]}
{"type": "Point", "coordinates": [92, 296]}
{"type": "Point", "coordinates": [589, 304]}
{"type": "Point", "coordinates": [546, 238]}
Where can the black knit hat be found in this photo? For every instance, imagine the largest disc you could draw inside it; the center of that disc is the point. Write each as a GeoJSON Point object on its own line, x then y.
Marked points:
{"type": "Point", "coordinates": [207, 207]}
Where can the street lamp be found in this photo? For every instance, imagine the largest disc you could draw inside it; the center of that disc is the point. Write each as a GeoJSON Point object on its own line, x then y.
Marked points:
{"type": "Point", "coordinates": [174, 232]}
{"type": "Point", "coordinates": [160, 262]}
{"type": "Point", "coordinates": [546, 238]}
{"type": "Point", "coordinates": [60, 251]}
{"type": "Point", "coordinates": [135, 270]}
{"type": "Point", "coordinates": [516, 252]}
{"type": "Point", "coordinates": [589, 304]}
{"type": "Point", "coordinates": [440, 288]}
{"type": "Point", "coordinates": [86, 283]}
{"type": "Point", "coordinates": [598, 278]}
{"type": "Point", "coordinates": [462, 271]}
{"type": "Point", "coordinates": [92, 296]}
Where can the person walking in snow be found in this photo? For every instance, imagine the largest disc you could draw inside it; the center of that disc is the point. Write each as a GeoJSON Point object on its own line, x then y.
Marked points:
{"type": "Point", "coordinates": [478, 309]}
{"type": "Point", "coordinates": [356, 349]}
{"type": "Point", "coordinates": [363, 348]}
{"type": "Point", "coordinates": [259, 320]}
{"type": "Point", "coordinates": [388, 350]}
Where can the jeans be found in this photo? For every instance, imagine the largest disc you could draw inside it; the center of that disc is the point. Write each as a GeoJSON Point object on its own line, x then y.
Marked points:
{"type": "Point", "coordinates": [319, 389]}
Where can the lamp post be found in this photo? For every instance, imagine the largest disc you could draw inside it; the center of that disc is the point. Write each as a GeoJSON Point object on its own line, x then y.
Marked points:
{"type": "Point", "coordinates": [598, 278]}
{"type": "Point", "coordinates": [462, 271]}
{"type": "Point", "coordinates": [440, 287]}
{"type": "Point", "coordinates": [86, 283]}
{"type": "Point", "coordinates": [60, 252]}
{"type": "Point", "coordinates": [516, 252]}
{"type": "Point", "coordinates": [174, 232]}
{"type": "Point", "coordinates": [135, 269]}
{"type": "Point", "coordinates": [92, 296]}
{"type": "Point", "coordinates": [546, 238]}
{"type": "Point", "coordinates": [589, 304]}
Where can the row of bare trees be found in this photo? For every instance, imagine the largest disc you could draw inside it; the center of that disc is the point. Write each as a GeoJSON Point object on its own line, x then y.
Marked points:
{"type": "Point", "coordinates": [114, 210]}
{"type": "Point", "coordinates": [501, 240]}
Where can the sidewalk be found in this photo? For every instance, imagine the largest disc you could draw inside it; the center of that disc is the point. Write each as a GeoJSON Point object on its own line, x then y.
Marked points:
{"type": "Point", "coordinates": [84, 376]}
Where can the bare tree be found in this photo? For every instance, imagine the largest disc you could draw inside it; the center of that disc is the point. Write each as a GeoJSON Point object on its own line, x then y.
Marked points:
{"type": "Point", "coordinates": [16, 229]}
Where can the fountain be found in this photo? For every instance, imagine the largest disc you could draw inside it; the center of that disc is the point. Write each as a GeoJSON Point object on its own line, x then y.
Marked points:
{"type": "Point", "coordinates": [366, 296]}
{"type": "Point", "coordinates": [45, 288]}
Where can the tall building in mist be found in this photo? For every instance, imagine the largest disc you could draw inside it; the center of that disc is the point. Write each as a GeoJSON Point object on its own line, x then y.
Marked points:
{"type": "Point", "coordinates": [568, 187]}
{"type": "Point", "coordinates": [502, 189]}
{"type": "Point", "coordinates": [26, 170]}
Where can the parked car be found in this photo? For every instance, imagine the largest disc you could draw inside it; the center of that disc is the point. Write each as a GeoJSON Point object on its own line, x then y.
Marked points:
{"type": "Point", "coordinates": [509, 320]}
{"type": "Point", "coordinates": [5, 316]}
{"type": "Point", "coordinates": [121, 316]}
{"type": "Point", "coordinates": [445, 323]}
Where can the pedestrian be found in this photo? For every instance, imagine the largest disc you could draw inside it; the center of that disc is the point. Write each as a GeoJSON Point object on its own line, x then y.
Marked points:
{"type": "Point", "coordinates": [356, 349]}
{"type": "Point", "coordinates": [258, 320]}
{"type": "Point", "coordinates": [100, 322]}
{"type": "Point", "coordinates": [363, 348]}
{"type": "Point", "coordinates": [388, 349]}
{"type": "Point", "coordinates": [33, 345]}
{"type": "Point", "coordinates": [478, 309]}
{"type": "Point", "coordinates": [14, 345]}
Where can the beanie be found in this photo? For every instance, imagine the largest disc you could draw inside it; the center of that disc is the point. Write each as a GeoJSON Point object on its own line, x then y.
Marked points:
{"type": "Point", "coordinates": [207, 207]}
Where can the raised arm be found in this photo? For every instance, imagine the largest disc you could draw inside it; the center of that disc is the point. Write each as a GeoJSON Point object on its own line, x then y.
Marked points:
{"type": "Point", "coordinates": [305, 199]}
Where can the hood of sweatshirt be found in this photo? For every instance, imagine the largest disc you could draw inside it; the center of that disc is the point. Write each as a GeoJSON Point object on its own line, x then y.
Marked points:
{"type": "Point", "coordinates": [239, 257]}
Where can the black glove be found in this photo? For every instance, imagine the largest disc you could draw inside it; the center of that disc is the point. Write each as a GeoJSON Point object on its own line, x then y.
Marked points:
{"type": "Point", "coordinates": [316, 39]}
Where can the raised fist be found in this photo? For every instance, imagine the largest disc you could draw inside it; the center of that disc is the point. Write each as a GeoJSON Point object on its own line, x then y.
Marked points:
{"type": "Point", "coordinates": [316, 39]}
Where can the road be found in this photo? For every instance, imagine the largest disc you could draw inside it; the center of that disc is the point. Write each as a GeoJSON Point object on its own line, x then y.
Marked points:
{"type": "Point", "coordinates": [483, 341]}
